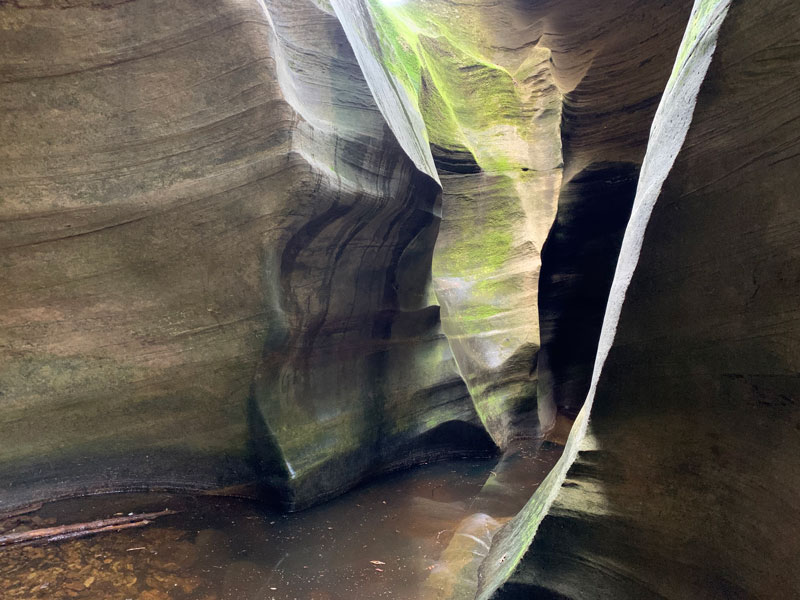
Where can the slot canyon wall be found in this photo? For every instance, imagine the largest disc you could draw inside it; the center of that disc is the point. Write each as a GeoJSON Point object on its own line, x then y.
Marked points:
{"type": "Point", "coordinates": [215, 253]}
{"type": "Point", "coordinates": [215, 258]}
{"type": "Point", "coordinates": [224, 258]}
{"type": "Point", "coordinates": [685, 484]}
{"type": "Point", "coordinates": [274, 247]}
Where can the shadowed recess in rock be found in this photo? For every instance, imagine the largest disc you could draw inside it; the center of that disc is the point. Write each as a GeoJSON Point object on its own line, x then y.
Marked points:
{"type": "Point", "coordinates": [578, 264]}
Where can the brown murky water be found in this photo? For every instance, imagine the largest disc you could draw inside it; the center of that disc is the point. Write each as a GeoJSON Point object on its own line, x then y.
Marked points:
{"type": "Point", "coordinates": [410, 536]}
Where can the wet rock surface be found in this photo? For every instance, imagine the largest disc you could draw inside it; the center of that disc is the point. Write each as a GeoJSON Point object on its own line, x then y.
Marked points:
{"type": "Point", "coordinates": [229, 257]}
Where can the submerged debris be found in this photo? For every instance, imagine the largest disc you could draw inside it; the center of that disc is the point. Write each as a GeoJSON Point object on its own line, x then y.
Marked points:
{"type": "Point", "coordinates": [63, 532]}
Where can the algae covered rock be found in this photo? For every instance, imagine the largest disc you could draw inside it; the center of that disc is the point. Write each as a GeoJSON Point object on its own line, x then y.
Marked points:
{"type": "Point", "coordinates": [284, 245]}
{"type": "Point", "coordinates": [493, 119]}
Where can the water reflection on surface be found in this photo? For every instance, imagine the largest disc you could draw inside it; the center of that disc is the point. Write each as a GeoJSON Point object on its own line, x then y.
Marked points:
{"type": "Point", "coordinates": [413, 535]}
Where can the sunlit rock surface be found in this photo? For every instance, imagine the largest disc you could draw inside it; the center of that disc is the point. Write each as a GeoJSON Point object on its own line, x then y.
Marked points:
{"type": "Point", "coordinates": [687, 481]}
{"type": "Point", "coordinates": [526, 107]}
{"type": "Point", "coordinates": [492, 118]}
{"type": "Point", "coordinates": [219, 232]}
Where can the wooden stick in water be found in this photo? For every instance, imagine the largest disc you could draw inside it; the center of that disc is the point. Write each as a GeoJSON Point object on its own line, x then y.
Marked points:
{"type": "Point", "coordinates": [63, 532]}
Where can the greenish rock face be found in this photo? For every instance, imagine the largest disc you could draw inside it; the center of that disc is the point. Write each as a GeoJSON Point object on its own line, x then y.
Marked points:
{"type": "Point", "coordinates": [493, 122]}
{"type": "Point", "coordinates": [213, 258]}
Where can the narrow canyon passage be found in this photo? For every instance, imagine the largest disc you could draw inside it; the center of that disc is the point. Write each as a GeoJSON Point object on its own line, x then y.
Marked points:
{"type": "Point", "coordinates": [414, 299]}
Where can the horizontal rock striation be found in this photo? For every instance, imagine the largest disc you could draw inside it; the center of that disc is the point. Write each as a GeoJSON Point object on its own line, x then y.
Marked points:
{"type": "Point", "coordinates": [519, 100]}
{"type": "Point", "coordinates": [283, 245]}
{"type": "Point", "coordinates": [685, 483]}
{"type": "Point", "coordinates": [219, 225]}
{"type": "Point", "coordinates": [215, 260]}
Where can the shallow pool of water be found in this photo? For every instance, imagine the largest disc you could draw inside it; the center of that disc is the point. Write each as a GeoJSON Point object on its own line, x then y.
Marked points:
{"type": "Point", "coordinates": [410, 536]}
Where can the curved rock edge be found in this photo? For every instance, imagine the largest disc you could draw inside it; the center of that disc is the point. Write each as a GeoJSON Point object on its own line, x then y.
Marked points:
{"type": "Point", "coordinates": [667, 134]}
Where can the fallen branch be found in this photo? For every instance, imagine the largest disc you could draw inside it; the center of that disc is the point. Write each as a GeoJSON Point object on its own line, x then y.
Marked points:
{"type": "Point", "coordinates": [65, 532]}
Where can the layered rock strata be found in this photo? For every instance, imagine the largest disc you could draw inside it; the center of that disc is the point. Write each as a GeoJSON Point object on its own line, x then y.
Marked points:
{"type": "Point", "coordinates": [492, 117]}
{"type": "Point", "coordinates": [219, 224]}
{"type": "Point", "coordinates": [215, 258]}
{"type": "Point", "coordinates": [685, 475]}
{"type": "Point", "coordinates": [219, 230]}
{"type": "Point", "coordinates": [519, 100]}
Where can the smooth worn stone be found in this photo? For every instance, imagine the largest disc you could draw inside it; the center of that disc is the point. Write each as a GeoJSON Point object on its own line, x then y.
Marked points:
{"type": "Point", "coordinates": [686, 479]}
{"type": "Point", "coordinates": [275, 247]}
{"type": "Point", "coordinates": [215, 264]}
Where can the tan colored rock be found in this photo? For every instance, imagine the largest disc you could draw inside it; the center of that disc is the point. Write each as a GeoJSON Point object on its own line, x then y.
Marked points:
{"type": "Point", "coordinates": [685, 475]}
{"type": "Point", "coordinates": [214, 258]}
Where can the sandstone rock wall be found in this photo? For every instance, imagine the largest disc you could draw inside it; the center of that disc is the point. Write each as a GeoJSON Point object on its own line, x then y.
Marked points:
{"type": "Point", "coordinates": [215, 261]}
{"type": "Point", "coordinates": [492, 118]}
{"type": "Point", "coordinates": [227, 228]}
{"type": "Point", "coordinates": [522, 103]}
{"type": "Point", "coordinates": [686, 482]}
{"type": "Point", "coordinates": [220, 222]}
